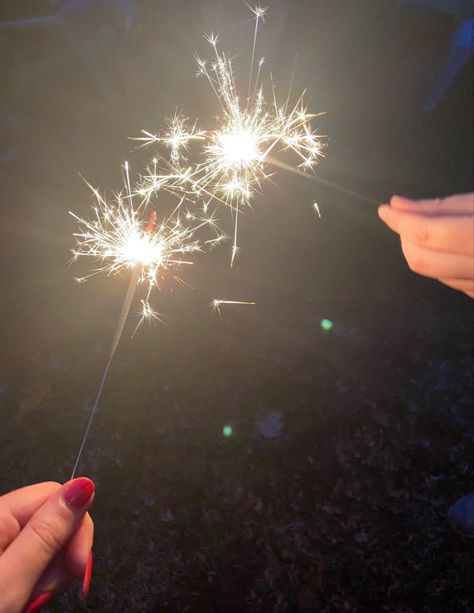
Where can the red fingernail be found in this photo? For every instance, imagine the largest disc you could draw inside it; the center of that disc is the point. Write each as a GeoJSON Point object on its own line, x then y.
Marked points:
{"type": "Point", "coordinates": [78, 493]}
{"type": "Point", "coordinates": [86, 583]}
{"type": "Point", "coordinates": [38, 603]}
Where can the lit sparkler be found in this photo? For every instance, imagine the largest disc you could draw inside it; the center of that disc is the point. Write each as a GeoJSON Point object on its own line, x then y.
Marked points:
{"type": "Point", "coordinates": [239, 152]}
{"type": "Point", "coordinates": [237, 156]}
{"type": "Point", "coordinates": [119, 238]}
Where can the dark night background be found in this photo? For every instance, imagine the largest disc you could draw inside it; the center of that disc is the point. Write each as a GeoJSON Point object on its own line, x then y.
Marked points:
{"type": "Point", "coordinates": [344, 509]}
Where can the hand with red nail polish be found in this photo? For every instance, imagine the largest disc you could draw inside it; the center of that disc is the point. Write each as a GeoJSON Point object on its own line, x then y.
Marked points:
{"type": "Point", "coordinates": [46, 539]}
{"type": "Point", "coordinates": [437, 237]}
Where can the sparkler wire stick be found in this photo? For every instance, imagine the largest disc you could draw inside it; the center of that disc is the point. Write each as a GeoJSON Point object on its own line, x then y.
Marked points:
{"type": "Point", "coordinates": [325, 182]}
{"type": "Point", "coordinates": [127, 303]}
{"type": "Point", "coordinates": [115, 341]}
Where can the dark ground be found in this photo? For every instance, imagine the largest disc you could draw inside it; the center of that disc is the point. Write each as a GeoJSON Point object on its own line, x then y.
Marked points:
{"type": "Point", "coordinates": [346, 509]}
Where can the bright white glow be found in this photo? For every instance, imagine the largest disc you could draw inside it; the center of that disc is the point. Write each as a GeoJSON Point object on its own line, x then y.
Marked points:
{"type": "Point", "coordinates": [238, 149]}
{"type": "Point", "coordinates": [140, 249]}
{"type": "Point", "coordinates": [121, 236]}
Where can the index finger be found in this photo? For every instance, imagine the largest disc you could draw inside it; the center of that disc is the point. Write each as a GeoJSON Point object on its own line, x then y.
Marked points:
{"type": "Point", "coordinates": [451, 234]}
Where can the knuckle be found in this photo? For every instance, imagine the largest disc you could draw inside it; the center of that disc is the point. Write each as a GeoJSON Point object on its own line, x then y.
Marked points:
{"type": "Point", "coordinates": [46, 535]}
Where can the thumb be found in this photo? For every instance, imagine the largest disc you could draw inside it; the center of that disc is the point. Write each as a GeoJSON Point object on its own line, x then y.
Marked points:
{"type": "Point", "coordinates": [43, 537]}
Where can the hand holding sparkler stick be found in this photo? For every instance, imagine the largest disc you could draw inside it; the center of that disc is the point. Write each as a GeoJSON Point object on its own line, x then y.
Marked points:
{"type": "Point", "coordinates": [436, 236]}
{"type": "Point", "coordinates": [45, 542]}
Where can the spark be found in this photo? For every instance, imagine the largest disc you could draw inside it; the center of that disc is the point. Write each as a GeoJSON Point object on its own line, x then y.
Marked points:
{"type": "Point", "coordinates": [316, 208]}
{"type": "Point", "coordinates": [177, 137]}
{"type": "Point", "coordinates": [259, 13]}
{"type": "Point", "coordinates": [147, 314]}
{"type": "Point", "coordinates": [217, 303]}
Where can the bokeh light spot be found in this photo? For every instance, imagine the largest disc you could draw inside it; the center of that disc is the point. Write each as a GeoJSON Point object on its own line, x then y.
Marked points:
{"type": "Point", "coordinates": [227, 431]}
{"type": "Point", "coordinates": [326, 324]}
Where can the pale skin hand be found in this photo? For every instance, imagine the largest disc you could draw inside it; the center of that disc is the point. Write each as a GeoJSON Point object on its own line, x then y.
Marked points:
{"type": "Point", "coordinates": [437, 237]}
{"type": "Point", "coordinates": [44, 543]}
